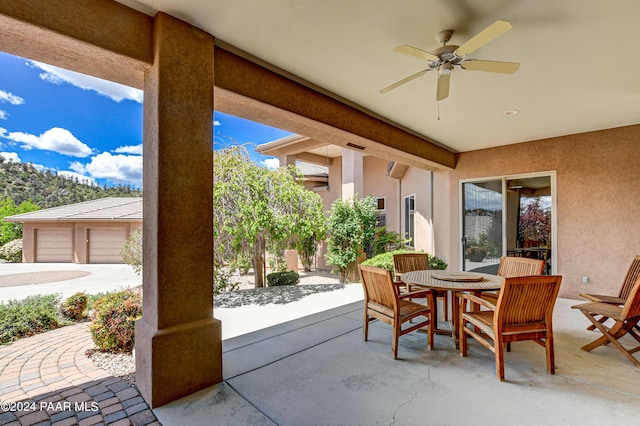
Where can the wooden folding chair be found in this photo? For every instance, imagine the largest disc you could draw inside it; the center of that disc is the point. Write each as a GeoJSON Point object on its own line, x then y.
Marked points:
{"type": "Point", "coordinates": [408, 262]}
{"type": "Point", "coordinates": [524, 311]}
{"type": "Point", "coordinates": [515, 267]}
{"type": "Point", "coordinates": [626, 318]}
{"type": "Point", "coordinates": [383, 301]}
{"type": "Point", "coordinates": [632, 275]}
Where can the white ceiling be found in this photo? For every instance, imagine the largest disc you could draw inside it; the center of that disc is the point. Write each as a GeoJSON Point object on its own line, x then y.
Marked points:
{"type": "Point", "coordinates": [580, 70]}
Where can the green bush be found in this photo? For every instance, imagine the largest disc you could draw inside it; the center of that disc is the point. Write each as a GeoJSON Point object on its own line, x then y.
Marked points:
{"type": "Point", "coordinates": [275, 279]}
{"type": "Point", "coordinates": [74, 306]}
{"type": "Point", "coordinates": [114, 320]}
{"type": "Point", "coordinates": [222, 281]}
{"type": "Point", "coordinates": [12, 251]}
{"type": "Point", "coordinates": [385, 260]}
{"type": "Point", "coordinates": [23, 318]}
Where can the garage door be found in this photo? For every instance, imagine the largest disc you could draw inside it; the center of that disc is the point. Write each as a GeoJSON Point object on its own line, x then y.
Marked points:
{"type": "Point", "coordinates": [105, 245]}
{"type": "Point", "coordinates": [54, 245]}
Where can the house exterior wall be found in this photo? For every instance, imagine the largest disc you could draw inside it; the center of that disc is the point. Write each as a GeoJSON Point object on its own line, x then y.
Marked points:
{"type": "Point", "coordinates": [80, 236]}
{"type": "Point", "coordinates": [378, 184]}
{"type": "Point", "coordinates": [598, 194]}
{"type": "Point", "coordinates": [418, 182]}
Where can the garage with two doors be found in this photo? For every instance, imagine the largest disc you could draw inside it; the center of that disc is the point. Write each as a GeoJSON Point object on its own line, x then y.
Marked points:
{"type": "Point", "coordinates": [90, 232]}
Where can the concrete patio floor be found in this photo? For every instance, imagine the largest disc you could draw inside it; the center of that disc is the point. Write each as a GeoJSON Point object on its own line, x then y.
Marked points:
{"type": "Point", "coordinates": [317, 370]}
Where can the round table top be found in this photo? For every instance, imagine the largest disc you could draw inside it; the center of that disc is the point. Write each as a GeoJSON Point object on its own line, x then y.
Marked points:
{"type": "Point", "coordinates": [425, 279]}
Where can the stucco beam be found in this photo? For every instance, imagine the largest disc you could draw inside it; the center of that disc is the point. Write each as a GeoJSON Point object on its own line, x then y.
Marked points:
{"type": "Point", "coordinates": [307, 157]}
{"type": "Point", "coordinates": [101, 38]}
{"type": "Point", "coordinates": [296, 148]}
{"type": "Point", "coordinates": [240, 76]}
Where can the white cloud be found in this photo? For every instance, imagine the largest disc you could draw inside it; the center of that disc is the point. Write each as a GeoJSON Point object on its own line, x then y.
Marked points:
{"type": "Point", "coordinates": [126, 169]}
{"type": "Point", "coordinates": [271, 163]}
{"type": "Point", "coordinates": [78, 167]}
{"type": "Point", "coordinates": [11, 98]}
{"type": "Point", "coordinates": [112, 90]}
{"type": "Point", "coordinates": [81, 178]}
{"type": "Point", "coordinates": [55, 139]}
{"type": "Point", "coordinates": [216, 123]}
{"type": "Point", "coordinates": [131, 149]}
{"type": "Point", "coordinates": [3, 115]}
{"type": "Point", "coordinates": [10, 157]}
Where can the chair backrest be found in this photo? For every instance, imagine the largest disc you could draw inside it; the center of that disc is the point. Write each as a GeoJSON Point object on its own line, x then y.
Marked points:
{"type": "Point", "coordinates": [527, 300]}
{"type": "Point", "coordinates": [519, 267]}
{"type": "Point", "coordinates": [632, 276]}
{"type": "Point", "coordinates": [631, 307]}
{"type": "Point", "coordinates": [408, 262]}
{"type": "Point", "coordinates": [378, 286]}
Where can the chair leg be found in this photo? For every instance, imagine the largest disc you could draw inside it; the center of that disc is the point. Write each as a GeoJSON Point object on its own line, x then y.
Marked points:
{"type": "Point", "coordinates": [499, 349]}
{"type": "Point", "coordinates": [548, 344]}
{"type": "Point", "coordinates": [445, 306]}
{"type": "Point", "coordinates": [394, 344]}
{"type": "Point", "coordinates": [365, 327]}
{"type": "Point", "coordinates": [463, 338]}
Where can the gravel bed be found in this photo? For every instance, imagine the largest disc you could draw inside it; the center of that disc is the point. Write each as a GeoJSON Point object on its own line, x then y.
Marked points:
{"type": "Point", "coordinates": [119, 364]}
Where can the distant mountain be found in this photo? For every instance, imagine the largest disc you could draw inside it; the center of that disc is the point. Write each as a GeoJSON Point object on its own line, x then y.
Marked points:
{"type": "Point", "coordinates": [23, 182]}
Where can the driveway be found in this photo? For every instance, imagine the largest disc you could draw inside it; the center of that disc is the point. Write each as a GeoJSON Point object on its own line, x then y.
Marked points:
{"type": "Point", "coordinates": [19, 280]}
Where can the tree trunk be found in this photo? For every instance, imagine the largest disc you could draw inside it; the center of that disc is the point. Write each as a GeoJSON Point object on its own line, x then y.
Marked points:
{"type": "Point", "coordinates": [258, 264]}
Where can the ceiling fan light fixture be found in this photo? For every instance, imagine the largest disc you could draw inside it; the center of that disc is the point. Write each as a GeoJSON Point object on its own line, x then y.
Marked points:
{"type": "Point", "coordinates": [445, 69]}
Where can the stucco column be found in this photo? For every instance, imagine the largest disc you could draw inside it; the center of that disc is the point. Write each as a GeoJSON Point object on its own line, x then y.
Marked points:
{"type": "Point", "coordinates": [287, 160]}
{"type": "Point", "coordinates": [352, 173]}
{"type": "Point", "coordinates": [178, 342]}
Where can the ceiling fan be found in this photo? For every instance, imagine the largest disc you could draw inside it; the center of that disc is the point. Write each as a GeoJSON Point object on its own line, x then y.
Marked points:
{"type": "Point", "coordinates": [445, 58]}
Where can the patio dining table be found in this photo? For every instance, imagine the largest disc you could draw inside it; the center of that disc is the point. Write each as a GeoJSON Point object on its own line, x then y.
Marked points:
{"type": "Point", "coordinates": [452, 282]}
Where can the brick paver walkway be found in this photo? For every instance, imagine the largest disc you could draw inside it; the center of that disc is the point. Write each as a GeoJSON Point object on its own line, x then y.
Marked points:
{"type": "Point", "coordinates": [48, 380]}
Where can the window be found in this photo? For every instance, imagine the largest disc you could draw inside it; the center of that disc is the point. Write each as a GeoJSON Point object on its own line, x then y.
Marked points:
{"type": "Point", "coordinates": [409, 219]}
{"type": "Point", "coordinates": [380, 203]}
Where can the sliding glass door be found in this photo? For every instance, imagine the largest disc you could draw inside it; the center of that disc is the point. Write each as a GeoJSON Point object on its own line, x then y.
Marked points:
{"type": "Point", "coordinates": [482, 205]}
{"type": "Point", "coordinates": [508, 216]}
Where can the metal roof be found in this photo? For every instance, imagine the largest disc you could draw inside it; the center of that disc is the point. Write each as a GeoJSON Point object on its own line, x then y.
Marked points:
{"type": "Point", "coordinates": [122, 209]}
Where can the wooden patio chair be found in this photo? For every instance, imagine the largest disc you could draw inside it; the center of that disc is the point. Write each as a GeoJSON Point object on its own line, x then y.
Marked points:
{"type": "Point", "coordinates": [515, 267]}
{"type": "Point", "coordinates": [523, 312]}
{"type": "Point", "coordinates": [632, 275]}
{"type": "Point", "coordinates": [626, 319]}
{"type": "Point", "coordinates": [383, 301]}
{"type": "Point", "coordinates": [407, 262]}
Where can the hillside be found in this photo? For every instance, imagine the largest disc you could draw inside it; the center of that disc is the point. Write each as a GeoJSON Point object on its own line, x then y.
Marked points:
{"type": "Point", "coordinates": [23, 182]}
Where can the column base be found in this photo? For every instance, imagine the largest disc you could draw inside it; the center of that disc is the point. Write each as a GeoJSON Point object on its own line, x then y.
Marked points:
{"type": "Point", "coordinates": [177, 361]}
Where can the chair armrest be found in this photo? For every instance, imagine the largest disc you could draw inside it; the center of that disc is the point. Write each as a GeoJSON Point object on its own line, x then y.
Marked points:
{"type": "Point", "coordinates": [603, 298]}
{"type": "Point", "coordinates": [479, 300]}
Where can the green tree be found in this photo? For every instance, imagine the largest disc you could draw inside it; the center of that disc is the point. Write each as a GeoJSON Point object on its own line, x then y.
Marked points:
{"type": "Point", "coordinates": [351, 227]}
{"type": "Point", "coordinates": [10, 231]}
{"type": "Point", "coordinates": [132, 251]}
{"type": "Point", "coordinates": [256, 208]}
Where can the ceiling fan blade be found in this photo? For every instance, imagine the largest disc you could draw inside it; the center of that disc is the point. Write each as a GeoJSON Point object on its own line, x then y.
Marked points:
{"type": "Point", "coordinates": [404, 80]}
{"type": "Point", "coordinates": [443, 86]}
{"type": "Point", "coordinates": [418, 53]}
{"type": "Point", "coordinates": [483, 37]}
{"type": "Point", "coordinates": [491, 66]}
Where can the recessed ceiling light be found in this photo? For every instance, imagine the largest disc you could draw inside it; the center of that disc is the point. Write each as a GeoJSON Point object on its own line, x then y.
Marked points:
{"type": "Point", "coordinates": [512, 112]}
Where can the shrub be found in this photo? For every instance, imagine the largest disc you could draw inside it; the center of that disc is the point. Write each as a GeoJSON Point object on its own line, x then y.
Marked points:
{"type": "Point", "coordinates": [74, 306]}
{"type": "Point", "coordinates": [132, 251]}
{"type": "Point", "coordinates": [222, 281]}
{"type": "Point", "coordinates": [275, 279]}
{"type": "Point", "coordinates": [385, 260]}
{"type": "Point", "coordinates": [114, 323]}
{"type": "Point", "coordinates": [34, 314]}
{"type": "Point", "coordinates": [12, 251]}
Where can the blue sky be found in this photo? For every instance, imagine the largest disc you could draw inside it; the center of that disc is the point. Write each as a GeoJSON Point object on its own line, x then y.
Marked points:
{"type": "Point", "coordinates": [81, 126]}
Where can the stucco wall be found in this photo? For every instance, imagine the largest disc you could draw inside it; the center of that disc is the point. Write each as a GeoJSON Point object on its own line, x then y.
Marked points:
{"type": "Point", "coordinates": [598, 199]}
{"type": "Point", "coordinates": [378, 184]}
{"type": "Point", "coordinates": [417, 181]}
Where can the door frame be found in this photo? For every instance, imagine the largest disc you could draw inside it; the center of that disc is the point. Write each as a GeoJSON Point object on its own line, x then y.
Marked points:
{"type": "Point", "coordinates": [554, 212]}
